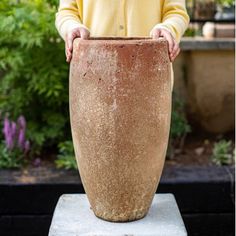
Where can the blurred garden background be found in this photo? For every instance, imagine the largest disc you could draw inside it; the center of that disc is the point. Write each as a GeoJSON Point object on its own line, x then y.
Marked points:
{"type": "Point", "coordinates": [36, 146]}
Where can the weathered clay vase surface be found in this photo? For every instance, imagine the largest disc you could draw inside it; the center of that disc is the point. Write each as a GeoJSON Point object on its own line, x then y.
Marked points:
{"type": "Point", "coordinates": [120, 110]}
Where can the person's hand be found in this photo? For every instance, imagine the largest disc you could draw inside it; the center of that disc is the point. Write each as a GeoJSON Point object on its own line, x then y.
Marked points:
{"type": "Point", "coordinates": [79, 32]}
{"type": "Point", "coordinates": [173, 45]}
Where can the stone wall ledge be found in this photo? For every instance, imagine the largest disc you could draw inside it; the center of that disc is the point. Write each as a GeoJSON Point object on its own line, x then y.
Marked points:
{"type": "Point", "coordinates": [200, 43]}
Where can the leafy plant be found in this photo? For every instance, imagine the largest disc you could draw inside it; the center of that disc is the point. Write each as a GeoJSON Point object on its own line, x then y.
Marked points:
{"type": "Point", "coordinates": [66, 157]}
{"type": "Point", "coordinates": [226, 3]}
{"type": "Point", "coordinates": [34, 74]}
{"type": "Point", "coordinates": [192, 31]}
{"type": "Point", "coordinates": [15, 147]}
{"type": "Point", "coordinates": [222, 152]}
{"type": "Point", "coordinates": [179, 126]}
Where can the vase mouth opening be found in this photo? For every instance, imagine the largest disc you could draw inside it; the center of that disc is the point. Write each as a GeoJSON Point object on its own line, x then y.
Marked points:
{"type": "Point", "coordinates": [119, 38]}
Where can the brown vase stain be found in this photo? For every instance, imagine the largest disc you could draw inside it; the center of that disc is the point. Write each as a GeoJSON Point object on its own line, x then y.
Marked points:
{"type": "Point", "coordinates": [120, 110]}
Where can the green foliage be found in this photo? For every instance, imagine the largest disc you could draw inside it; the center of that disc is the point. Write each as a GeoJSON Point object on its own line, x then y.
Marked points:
{"type": "Point", "coordinates": [179, 124]}
{"type": "Point", "coordinates": [14, 159]}
{"type": "Point", "coordinates": [34, 79]}
{"type": "Point", "coordinates": [221, 2]}
{"type": "Point", "coordinates": [66, 158]}
{"type": "Point", "coordinates": [226, 3]}
{"type": "Point", "coordinates": [222, 153]}
{"type": "Point", "coordinates": [190, 32]}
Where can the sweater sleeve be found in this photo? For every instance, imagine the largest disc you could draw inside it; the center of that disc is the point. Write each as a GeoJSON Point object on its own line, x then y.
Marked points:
{"type": "Point", "coordinates": [174, 18]}
{"type": "Point", "coordinates": [68, 17]}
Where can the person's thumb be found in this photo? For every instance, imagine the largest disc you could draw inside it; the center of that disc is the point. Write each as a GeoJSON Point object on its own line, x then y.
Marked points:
{"type": "Point", "coordinates": [84, 33]}
{"type": "Point", "coordinates": [70, 38]}
{"type": "Point", "coordinates": [155, 33]}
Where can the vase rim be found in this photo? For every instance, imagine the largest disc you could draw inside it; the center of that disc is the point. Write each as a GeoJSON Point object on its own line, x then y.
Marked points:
{"type": "Point", "coordinates": [120, 40]}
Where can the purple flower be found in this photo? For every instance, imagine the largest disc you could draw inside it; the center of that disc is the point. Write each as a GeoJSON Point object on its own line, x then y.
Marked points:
{"type": "Point", "coordinates": [21, 122]}
{"type": "Point", "coordinates": [7, 130]}
{"type": "Point", "coordinates": [21, 139]}
{"type": "Point", "coordinates": [14, 134]}
{"type": "Point", "coordinates": [13, 129]}
{"type": "Point", "coordinates": [6, 127]}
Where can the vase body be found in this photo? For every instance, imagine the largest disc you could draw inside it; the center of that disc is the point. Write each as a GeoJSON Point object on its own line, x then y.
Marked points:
{"type": "Point", "coordinates": [120, 111]}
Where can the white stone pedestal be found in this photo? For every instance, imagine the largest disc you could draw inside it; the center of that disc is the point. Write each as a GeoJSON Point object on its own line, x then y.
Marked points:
{"type": "Point", "coordinates": [73, 217]}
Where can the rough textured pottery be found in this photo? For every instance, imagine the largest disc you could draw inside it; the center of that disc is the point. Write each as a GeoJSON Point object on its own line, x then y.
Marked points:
{"type": "Point", "coordinates": [120, 111]}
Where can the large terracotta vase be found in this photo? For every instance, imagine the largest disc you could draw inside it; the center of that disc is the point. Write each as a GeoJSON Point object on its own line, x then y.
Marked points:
{"type": "Point", "coordinates": [120, 111]}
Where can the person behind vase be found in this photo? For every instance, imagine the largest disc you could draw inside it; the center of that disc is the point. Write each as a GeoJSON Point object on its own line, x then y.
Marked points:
{"type": "Point", "coordinates": [123, 18]}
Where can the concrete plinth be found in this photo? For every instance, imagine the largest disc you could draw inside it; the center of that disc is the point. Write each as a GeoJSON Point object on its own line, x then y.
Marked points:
{"type": "Point", "coordinates": [73, 217]}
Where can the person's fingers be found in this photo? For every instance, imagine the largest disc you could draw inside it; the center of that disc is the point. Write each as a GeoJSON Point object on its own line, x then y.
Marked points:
{"type": "Point", "coordinates": [173, 46]}
{"type": "Point", "coordinates": [155, 34]}
{"type": "Point", "coordinates": [76, 33]}
{"type": "Point", "coordinates": [84, 34]}
{"type": "Point", "coordinates": [175, 49]}
{"type": "Point", "coordinates": [169, 39]}
{"type": "Point", "coordinates": [173, 56]}
{"type": "Point", "coordinates": [68, 53]}
{"type": "Point", "coordinates": [69, 43]}
{"type": "Point", "coordinates": [68, 56]}
{"type": "Point", "coordinates": [70, 38]}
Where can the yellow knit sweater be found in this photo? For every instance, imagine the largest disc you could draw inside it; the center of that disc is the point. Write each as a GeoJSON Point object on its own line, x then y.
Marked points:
{"type": "Point", "coordinates": [122, 17]}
